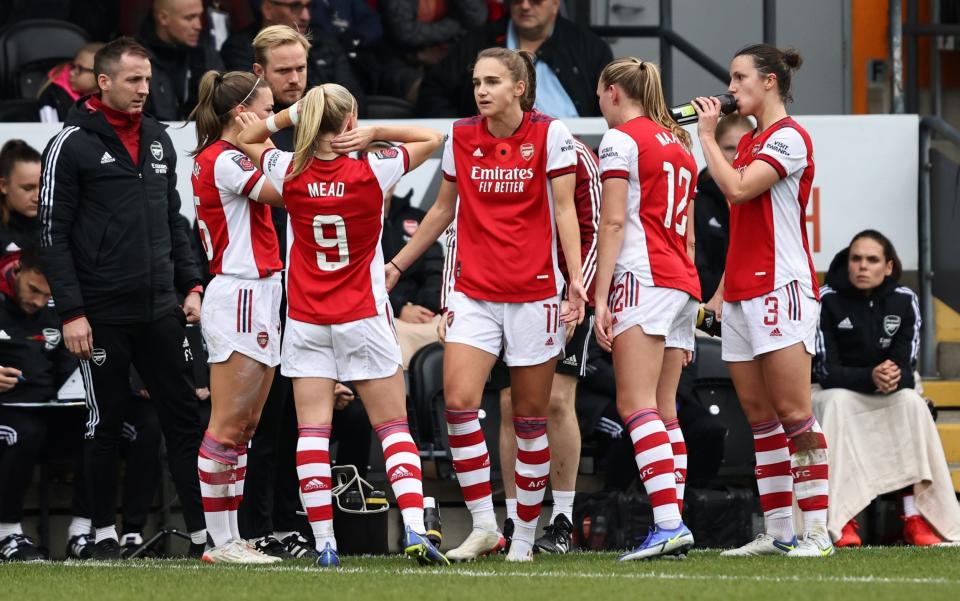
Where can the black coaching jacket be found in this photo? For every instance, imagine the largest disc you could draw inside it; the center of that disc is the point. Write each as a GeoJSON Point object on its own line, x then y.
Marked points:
{"type": "Point", "coordinates": [859, 332]}
{"type": "Point", "coordinates": [113, 248]}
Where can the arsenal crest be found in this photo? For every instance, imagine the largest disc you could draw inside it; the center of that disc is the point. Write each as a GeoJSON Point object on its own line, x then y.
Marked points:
{"type": "Point", "coordinates": [891, 323]}
{"type": "Point", "coordinates": [410, 226]}
{"type": "Point", "coordinates": [51, 338]}
{"type": "Point", "coordinates": [156, 149]}
{"type": "Point", "coordinates": [99, 356]}
{"type": "Point", "coordinates": [263, 339]}
{"type": "Point", "coordinates": [526, 151]}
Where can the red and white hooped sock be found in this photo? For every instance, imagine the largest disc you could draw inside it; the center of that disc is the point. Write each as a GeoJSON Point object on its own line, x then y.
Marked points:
{"type": "Point", "coordinates": [774, 480]}
{"type": "Point", "coordinates": [531, 474]}
{"type": "Point", "coordinates": [402, 460]}
{"type": "Point", "coordinates": [810, 475]}
{"type": "Point", "coordinates": [313, 470]}
{"type": "Point", "coordinates": [679, 446]}
{"type": "Point", "coordinates": [216, 463]}
{"type": "Point", "coordinates": [241, 472]}
{"type": "Point", "coordinates": [471, 461]}
{"type": "Point", "coordinates": [654, 455]}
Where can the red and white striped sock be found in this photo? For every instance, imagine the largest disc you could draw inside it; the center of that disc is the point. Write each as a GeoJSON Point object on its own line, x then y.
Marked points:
{"type": "Point", "coordinates": [679, 446]}
{"type": "Point", "coordinates": [471, 461]}
{"type": "Point", "coordinates": [774, 481]}
{"type": "Point", "coordinates": [654, 455]}
{"type": "Point", "coordinates": [810, 476]}
{"type": "Point", "coordinates": [313, 469]}
{"type": "Point", "coordinates": [531, 475]}
{"type": "Point", "coordinates": [216, 464]}
{"type": "Point", "coordinates": [402, 460]}
{"type": "Point", "coordinates": [241, 472]}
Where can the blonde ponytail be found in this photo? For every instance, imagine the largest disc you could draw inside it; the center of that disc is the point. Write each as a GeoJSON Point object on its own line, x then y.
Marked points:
{"type": "Point", "coordinates": [323, 110]}
{"type": "Point", "coordinates": [640, 81]}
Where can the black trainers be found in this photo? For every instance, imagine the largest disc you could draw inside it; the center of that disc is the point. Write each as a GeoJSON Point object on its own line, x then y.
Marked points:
{"type": "Point", "coordinates": [107, 550]}
{"type": "Point", "coordinates": [18, 547]}
{"type": "Point", "coordinates": [269, 545]}
{"type": "Point", "coordinates": [298, 546]}
{"type": "Point", "coordinates": [507, 535]}
{"type": "Point", "coordinates": [80, 546]}
{"type": "Point", "coordinates": [556, 537]}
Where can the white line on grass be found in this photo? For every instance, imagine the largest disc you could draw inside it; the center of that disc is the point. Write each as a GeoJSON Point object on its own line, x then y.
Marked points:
{"type": "Point", "coordinates": [475, 573]}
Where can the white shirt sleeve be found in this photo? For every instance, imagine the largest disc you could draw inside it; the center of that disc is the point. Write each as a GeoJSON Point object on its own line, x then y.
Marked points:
{"type": "Point", "coordinates": [617, 151]}
{"type": "Point", "coordinates": [236, 173]}
{"type": "Point", "coordinates": [447, 164]}
{"type": "Point", "coordinates": [785, 151]}
{"type": "Point", "coordinates": [388, 165]}
{"type": "Point", "coordinates": [561, 150]}
{"type": "Point", "coordinates": [275, 164]}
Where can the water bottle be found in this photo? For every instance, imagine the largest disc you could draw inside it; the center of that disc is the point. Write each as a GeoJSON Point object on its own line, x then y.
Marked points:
{"type": "Point", "coordinates": [431, 521]}
{"type": "Point", "coordinates": [707, 321]}
{"type": "Point", "coordinates": [685, 113]}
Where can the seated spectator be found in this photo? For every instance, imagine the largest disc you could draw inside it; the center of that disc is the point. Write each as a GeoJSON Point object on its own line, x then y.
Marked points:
{"type": "Point", "coordinates": [712, 214]}
{"type": "Point", "coordinates": [19, 195]}
{"type": "Point", "coordinates": [35, 363]}
{"type": "Point", "coordinates": [326, 59]}
{"type": "Point", "coordinates": [416, 297]}
{"type": "Point", "coordinates": [67, 83]}
{"type": "Point", "coordinates": [179, 57]}
{"type": "Point", "coordinates": [422, 30]}
{"type": "Point", "coordinates": [569, 61]}
{"type": "Point", "coordinates": [882, 437]}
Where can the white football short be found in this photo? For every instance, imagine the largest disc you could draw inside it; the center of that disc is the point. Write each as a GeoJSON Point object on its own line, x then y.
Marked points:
{"type": "Point", "coordinates": [365, 349]}
{"type": "Point", "coordinates": [770, 322]}
{"type": "Point", "coordinates": [242, 316]}
{"type": "Point", "coordinates": [666, 312]}
{"type": "Point", "coordinates": [529, 333]}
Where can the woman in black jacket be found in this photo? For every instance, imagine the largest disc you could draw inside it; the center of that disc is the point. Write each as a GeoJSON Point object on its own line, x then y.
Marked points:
{"type": "Point", "coordinates": [19, 195]}
{"type": "Point", "coordinates": [882, 436]}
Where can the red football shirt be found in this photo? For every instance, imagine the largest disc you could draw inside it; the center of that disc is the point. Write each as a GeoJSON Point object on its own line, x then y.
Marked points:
{"type": "Point", "coordinates": [768, 234]}
{"type": "Point", "coordinates": [506, 248]}
{"type": "Point", "coordinates": [335, 272]}
{"type": "Point", "coordinates": [236, 232]}
{"type": "Point", "coordinates": [662, 177]}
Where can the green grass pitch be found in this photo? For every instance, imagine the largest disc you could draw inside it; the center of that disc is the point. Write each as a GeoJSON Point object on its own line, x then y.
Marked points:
{"type": "Point", "coordinates": [874, 574]}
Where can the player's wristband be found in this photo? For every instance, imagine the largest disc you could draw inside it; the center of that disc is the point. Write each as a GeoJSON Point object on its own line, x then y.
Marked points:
{"type": "Point", "coordinates": [293, 112]}
{"type": "Point", "coordinates": [396, 266]}
{"type": "Point", "coordinates": [272, 124]}
{"type": "Point", "coordinates": [198, 289]}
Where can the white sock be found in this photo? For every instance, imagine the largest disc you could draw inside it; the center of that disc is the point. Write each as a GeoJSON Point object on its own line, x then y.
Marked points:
{"type": "Point", "coordinates": [9, 529]}
{"type": "Point", "coordinates": [105, 533]}
{"type": "Point", "coordinates": [563, 504]}
{"type": "Point", "coordinates": [79, 527]}
{"type": "Point", "coordinates": [198, 537]}
{"type": "Point", "coordinates": [909, 506]}
{"type": "Point", "coordinates": [523, 535]}
{"type": "Point", "coordinates": [512, 509]}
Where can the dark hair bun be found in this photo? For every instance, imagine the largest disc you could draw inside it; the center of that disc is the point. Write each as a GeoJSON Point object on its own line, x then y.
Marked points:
{"type": "Point", "coordinates": [791, 58]}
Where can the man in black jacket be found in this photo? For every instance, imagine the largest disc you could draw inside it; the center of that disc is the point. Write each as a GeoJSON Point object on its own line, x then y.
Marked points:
{"type": "Point", "coordinates": [33, 365]}
{"type": "Point", "coordinates": [180, 57]}
{"type": "Point", "coordinates": [327, 62]}
{"type": "Point", "coordinates": [116, 256]}
{"type": "Point", "coordinates": [569, 61]}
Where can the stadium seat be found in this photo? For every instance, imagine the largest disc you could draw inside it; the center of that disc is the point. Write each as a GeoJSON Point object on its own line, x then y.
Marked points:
{"type": "Point", "coordinates": [708, 362]}
{"type": "Point", "coordinates": [389, 107]}
{"type": "Point", "coordinates": [28, 49]}
{"type": "Point", "coordinates": [19, 111]}
{"type": "Point", "coordinates": [426, 383]}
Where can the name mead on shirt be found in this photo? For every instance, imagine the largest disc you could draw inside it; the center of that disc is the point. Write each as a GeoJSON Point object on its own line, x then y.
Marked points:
{"type": "Point", "coordinates": [315, 189]}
